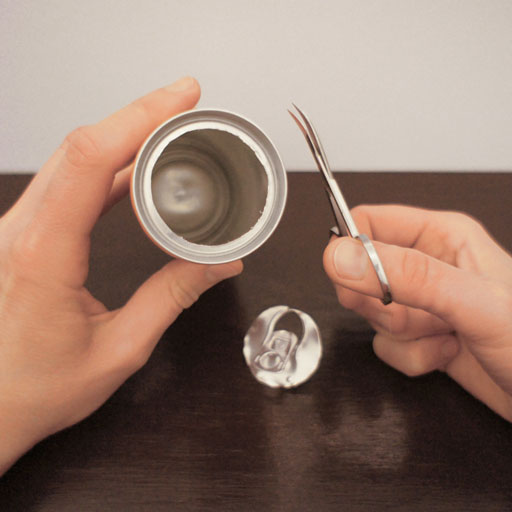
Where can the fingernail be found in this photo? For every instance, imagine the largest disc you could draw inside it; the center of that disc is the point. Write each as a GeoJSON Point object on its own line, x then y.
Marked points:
{"type": "Point", "coordinates": [181, 85]}
{"type": "Point", "coordinates": [449, 349]}
{"type": "Point", "coordinates": [350, 259]}
{"type": "Point", "coordinates": [216, 273]}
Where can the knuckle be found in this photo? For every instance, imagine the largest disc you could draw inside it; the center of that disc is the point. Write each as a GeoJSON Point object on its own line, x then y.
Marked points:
{"type": "Point", "coordinates": [143, 107]}
{"type": "Point", "coordinates": [415, 364]}
{"type": "Point", "coordinates": [25, 249]}
{"type": "Point", "coordinates": [130, 357]}
{"type": "Point", "coordinates": [466, 223]}
{"type": "Point", "coordinates": [502, 301]}
{"type": "Point", "coordinates": [182, 293]}
{"type": "Point", "coordinates": [416, 269]}
{"type": "Point", "coordinates": [462, 219]}
{"type": "Point", "coordinates": [81, 149]}
{"type": "Point", "coordinates": [398, 323]}
{"type": "Point", "coordinates": [407, 357]}
{"type": "Point", "coordinates": [413, 369]}
{"type": "Point", "coordinates": [360, 212]}
{"type": "Point", "coordinates": [348, 298]}
{"type": "Point", "coordinates": [360, 209]}
{"type": "Point", "coordinates": [380, 346]}
{"type": "Point", "coordinates": [136, 360]}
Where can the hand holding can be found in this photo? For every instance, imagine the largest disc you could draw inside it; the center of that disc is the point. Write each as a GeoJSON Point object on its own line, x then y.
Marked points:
{"type": "Point", "coordinates": [62, 353]}
{"type": "Point", "coordinates": [209, 186]}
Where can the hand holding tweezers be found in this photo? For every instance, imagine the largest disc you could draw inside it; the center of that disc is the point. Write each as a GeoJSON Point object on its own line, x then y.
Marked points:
{"type": "Point", "coordinates": [344, 221]}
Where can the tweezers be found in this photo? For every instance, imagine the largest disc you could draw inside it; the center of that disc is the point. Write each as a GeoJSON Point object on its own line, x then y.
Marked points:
{"type": "Point", "coordinates": [344, 221]}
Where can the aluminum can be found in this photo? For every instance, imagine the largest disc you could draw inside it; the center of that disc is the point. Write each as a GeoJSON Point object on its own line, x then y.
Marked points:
{"type": "Point", "coordinates": [208, 186]}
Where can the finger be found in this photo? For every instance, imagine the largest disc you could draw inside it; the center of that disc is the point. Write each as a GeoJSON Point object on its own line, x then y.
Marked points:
{"type": "Point", "coordinates": [136, 328]}
{"type": "Point", "coordinates": [119, 188]}
{"type": "Point", "coordinates": [445, 353]}
{"type": "Point", "coordinates": [37, 188]}
{"type": "Point", "coordinates": [466, 301]}
{"type": "Point", "coordinates": [397, 320]}
{"type": "Point", "coordinates": [453, 237]}
{"type": "Point", "coordinates": [428, 230]}
{"type": "Point", "coordinates": [393, 224]}
{"type": "Point", "coordinates": [349, 299]}
{"type": "Point", "coordinates": [90, 156]}
{"type": "Point", "coordinates": [487, 386]}
{"type": "Point", "coordinates": [416, 357]}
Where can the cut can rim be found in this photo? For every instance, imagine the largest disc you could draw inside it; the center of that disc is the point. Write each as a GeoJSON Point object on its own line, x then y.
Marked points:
{"type": "Point", "coordinates": [252, 136]}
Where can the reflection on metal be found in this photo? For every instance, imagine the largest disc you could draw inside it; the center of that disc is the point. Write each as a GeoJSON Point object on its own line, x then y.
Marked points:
{"type": "Point", "coordinates": [280, 358]}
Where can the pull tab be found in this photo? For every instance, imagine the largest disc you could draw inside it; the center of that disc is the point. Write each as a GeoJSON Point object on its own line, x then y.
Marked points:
{"type": "Point", "coordinates": [278, 358]}
{"type": "Point", "coordinates": [276, 351]}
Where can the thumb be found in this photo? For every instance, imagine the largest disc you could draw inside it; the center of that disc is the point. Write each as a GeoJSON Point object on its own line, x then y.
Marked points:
{"type": "Point", "coordinates": [462, 298]}
{"type": "Point", "coordinates": [139, 325]}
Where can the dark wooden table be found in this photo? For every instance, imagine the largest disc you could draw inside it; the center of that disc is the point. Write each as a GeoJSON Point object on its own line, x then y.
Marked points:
{"type": "Point", "coordinates": [193, 430]}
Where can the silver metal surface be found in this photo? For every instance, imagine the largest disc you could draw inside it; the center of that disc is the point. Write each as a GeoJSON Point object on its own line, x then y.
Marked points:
{"type": "Point", "coordinates": [208, 186]}
{"type": "Point", "coordinates": [279, 358]}
{"type": "Point", "coordinates": [344, 221]}
{"type": "Point", "coordinates": [379, 270]}
{"type": "Point", "coordinates": [340, 209]}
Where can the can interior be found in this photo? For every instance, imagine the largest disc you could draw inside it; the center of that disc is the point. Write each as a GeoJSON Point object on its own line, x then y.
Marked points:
{"type": "Point", "coordinates": [209, 187]}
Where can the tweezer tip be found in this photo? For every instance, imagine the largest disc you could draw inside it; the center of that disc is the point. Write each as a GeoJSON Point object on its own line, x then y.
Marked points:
{"type": "Point", "coordinates": [296, 119]}
{"type": "Point", "coordinates": [297, 109]}
{"type": "Point", "coordinates": [290, 110]}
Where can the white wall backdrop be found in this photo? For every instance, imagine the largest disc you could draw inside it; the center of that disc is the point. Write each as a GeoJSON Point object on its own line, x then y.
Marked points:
{"type": "Point", "coordinates": [391, 84]}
